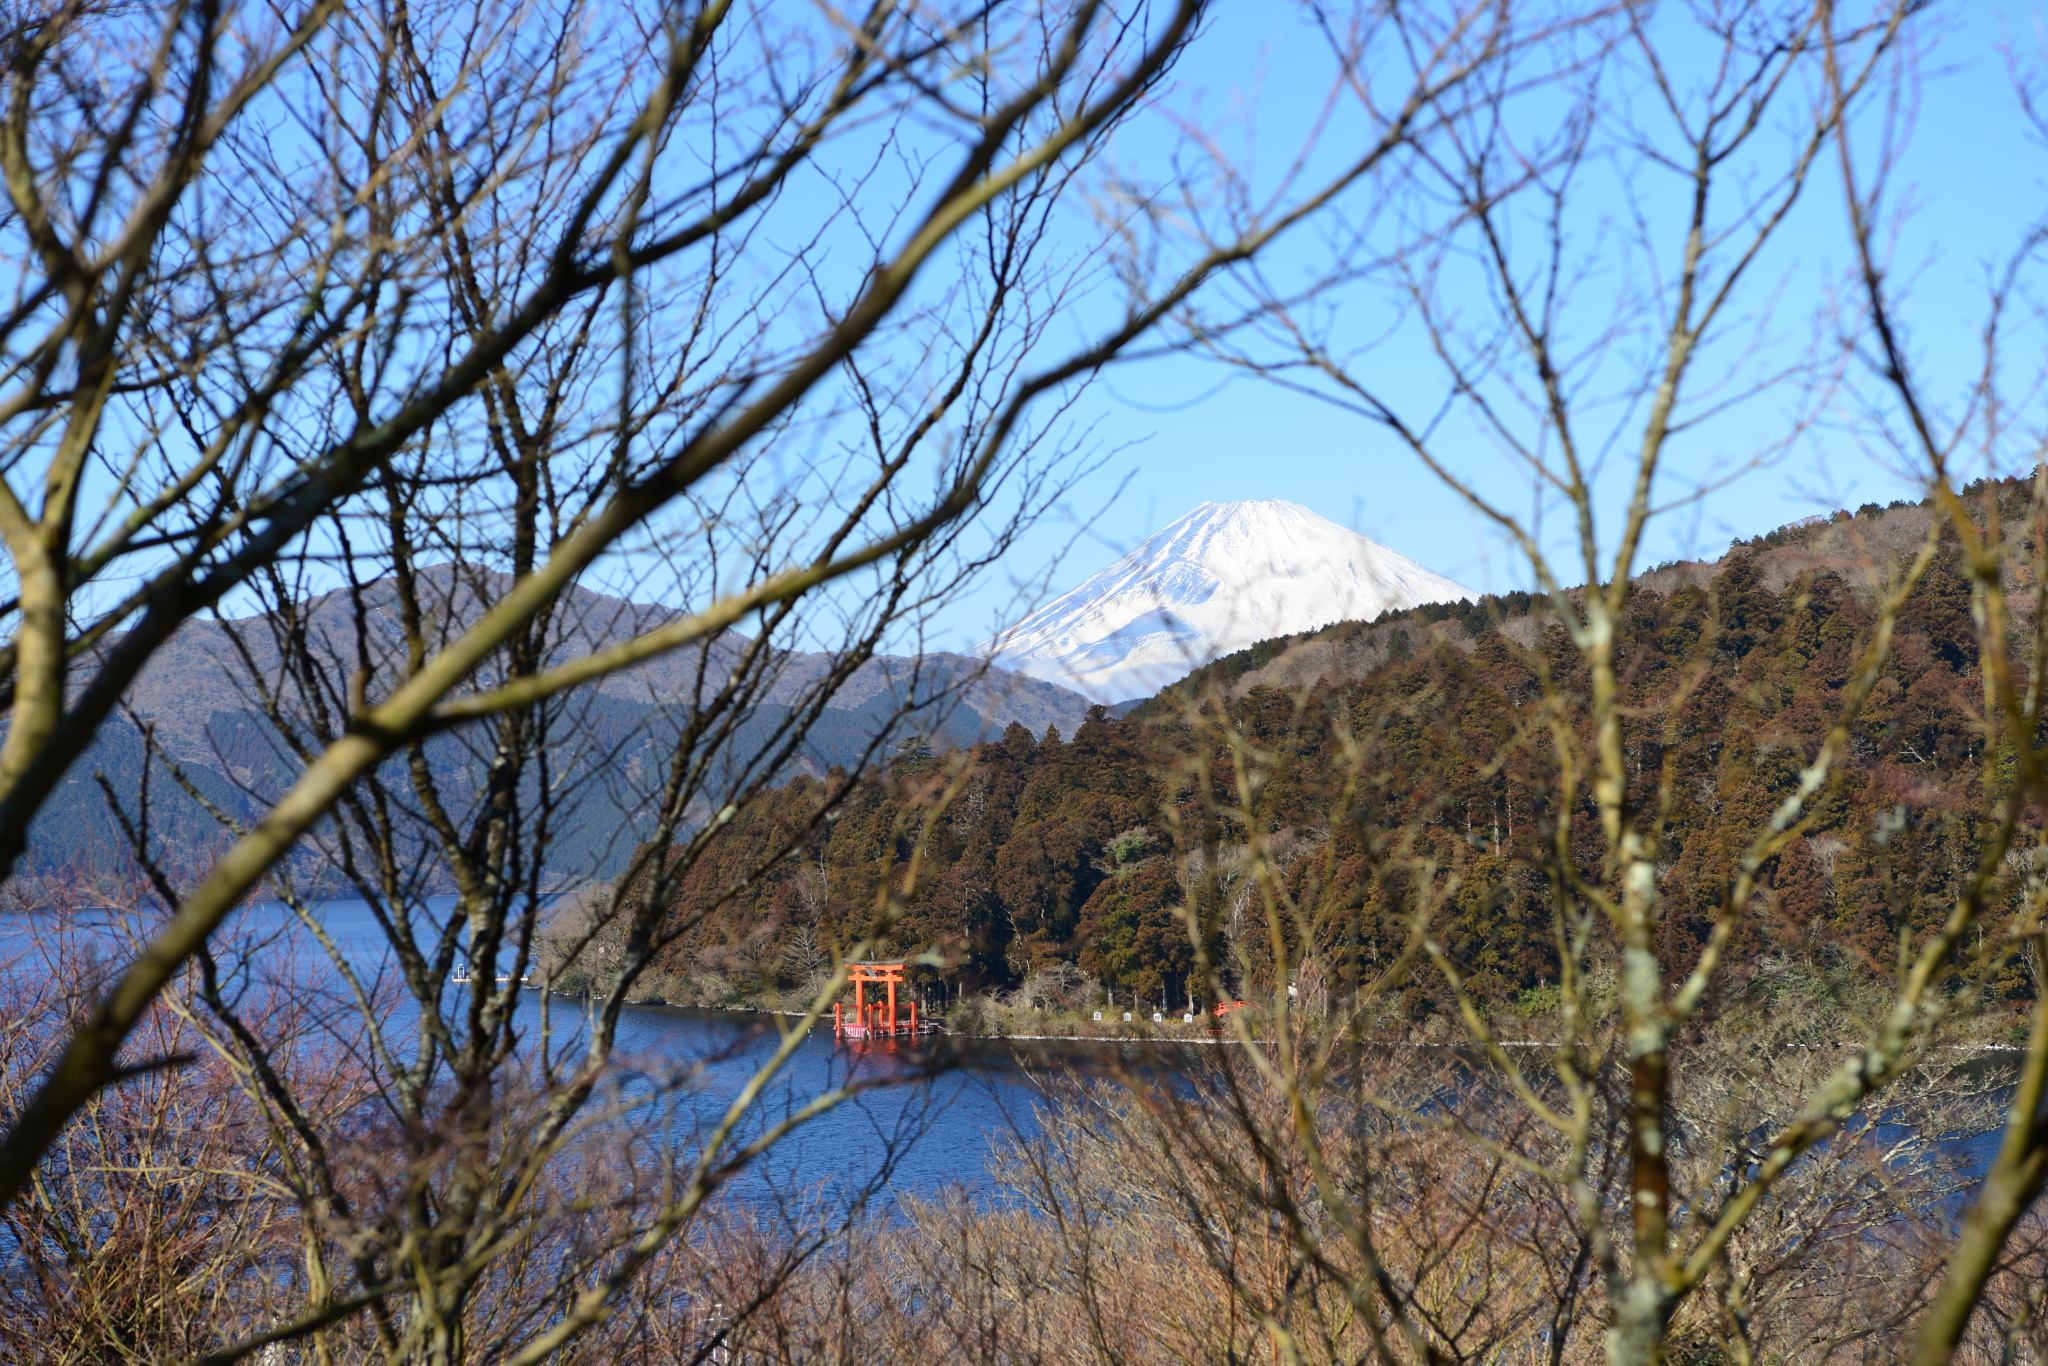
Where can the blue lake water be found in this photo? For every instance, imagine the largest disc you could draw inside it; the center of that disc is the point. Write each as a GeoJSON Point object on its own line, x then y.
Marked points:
{"type": "Point", "coordinates": [917, 1127]}
{"type": "Point", "coordinates": [917, 1130]}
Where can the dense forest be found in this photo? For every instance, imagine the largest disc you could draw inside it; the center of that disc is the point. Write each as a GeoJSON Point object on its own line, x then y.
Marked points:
{"type": "Point", "coordinates": [1403, 769]}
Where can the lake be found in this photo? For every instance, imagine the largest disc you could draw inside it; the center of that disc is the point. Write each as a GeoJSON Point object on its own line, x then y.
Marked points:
{"type": "Point", "coordinates": [921, 1136]}
{"type": "Point", "coordinates": [931, 1134]}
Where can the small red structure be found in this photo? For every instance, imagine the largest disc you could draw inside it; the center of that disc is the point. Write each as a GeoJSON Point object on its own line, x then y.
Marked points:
{"type": "Point", "coordinates": [1225, 1007]}
{"type": "Point", "coordinates": [872, 1019]}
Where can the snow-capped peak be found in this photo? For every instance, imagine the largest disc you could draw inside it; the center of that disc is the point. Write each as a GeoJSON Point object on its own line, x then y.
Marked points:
{"type": "Point", "coordinates": [1225, 576]}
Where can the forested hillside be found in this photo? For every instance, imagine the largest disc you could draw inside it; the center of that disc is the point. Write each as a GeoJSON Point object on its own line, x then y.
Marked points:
{"type": "Point", "coordinates": [1072, 856]}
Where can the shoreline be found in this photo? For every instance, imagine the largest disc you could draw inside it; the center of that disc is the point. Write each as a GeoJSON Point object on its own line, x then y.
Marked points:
{"type": "Point", "coordinates": [940, 1029]}
{"type": "Point", "coordinates": [1213, 1039]}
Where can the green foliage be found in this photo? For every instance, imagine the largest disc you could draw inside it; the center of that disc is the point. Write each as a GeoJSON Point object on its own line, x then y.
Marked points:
{"type": "Point", "coordinates": [1130, 845]}
{"type": "Point", "coordinates": [1136, 937]}
{"type": "Point", "coordinates": [912, 755]}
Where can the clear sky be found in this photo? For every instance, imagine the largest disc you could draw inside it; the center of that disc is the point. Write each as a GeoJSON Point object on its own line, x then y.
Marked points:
{"type": "Point", "coordinates": [1176, 432]}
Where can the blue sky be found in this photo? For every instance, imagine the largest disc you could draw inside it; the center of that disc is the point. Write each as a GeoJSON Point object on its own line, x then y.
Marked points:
{"type": "Point", "coordinates": [1173, 432]}
{"type": "Point", "coordinates": [1176, 432]}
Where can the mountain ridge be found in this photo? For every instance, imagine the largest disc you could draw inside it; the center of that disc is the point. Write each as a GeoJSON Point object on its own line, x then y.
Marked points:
{"type": "Point", "coordinates": [196, 704]}
{"type": "Point", "coordinates": [184, 680]}
{"type": "Point", "coordinates": [1842, 543]}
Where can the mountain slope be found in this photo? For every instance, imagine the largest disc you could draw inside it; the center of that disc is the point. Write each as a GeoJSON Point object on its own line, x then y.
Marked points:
{"type": "Point", "coordinates": [200, 670]}
{"type": "Point", "coordinates": [1223, 577]}
{"type": "Point", "coordinates": [616, 735]}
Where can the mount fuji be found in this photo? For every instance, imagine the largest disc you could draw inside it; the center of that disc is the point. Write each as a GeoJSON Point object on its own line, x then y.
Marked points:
{"type": "Point", "coordinates": [1225, 576]}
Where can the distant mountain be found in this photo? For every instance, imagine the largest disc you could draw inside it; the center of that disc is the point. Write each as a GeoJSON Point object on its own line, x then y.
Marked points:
{"type": "Point", "coordinates": [200, 671]}
{"type": "Point", "coordinates": [616, 735]}
{"type": "Point", "coordinates": [1223, 577]}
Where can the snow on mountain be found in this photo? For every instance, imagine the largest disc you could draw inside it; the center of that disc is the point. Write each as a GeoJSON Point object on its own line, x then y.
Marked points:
{"type": "Point", "coordinates": [1225, 576]}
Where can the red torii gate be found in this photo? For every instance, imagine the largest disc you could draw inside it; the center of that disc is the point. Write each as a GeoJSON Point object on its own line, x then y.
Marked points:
{"type": "Point", "coordinates": [871, 1019]}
